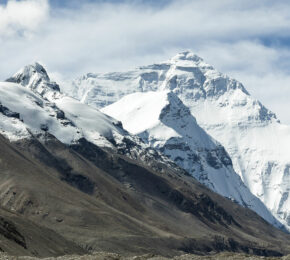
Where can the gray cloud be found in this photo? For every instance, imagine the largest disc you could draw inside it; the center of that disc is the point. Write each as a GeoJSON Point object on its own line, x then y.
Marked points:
{"type": "Point", "coordinates": [98, 36]}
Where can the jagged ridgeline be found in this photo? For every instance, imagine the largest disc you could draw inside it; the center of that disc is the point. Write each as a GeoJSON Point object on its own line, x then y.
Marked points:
{"type": "Point", "coordinates": [86, 180]}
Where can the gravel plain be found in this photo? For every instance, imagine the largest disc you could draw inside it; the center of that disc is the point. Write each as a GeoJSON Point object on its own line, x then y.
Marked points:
{"type": "Point", "coordinates": [113, 256]}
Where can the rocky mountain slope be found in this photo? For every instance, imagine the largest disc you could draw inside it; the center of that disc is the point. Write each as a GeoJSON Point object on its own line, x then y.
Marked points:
{"type": "Point", "coordinates": [256, 141]}
{"type": "Point", "coordinates": [23, 237]}
{"type": "Point", "coordinates": [84, 177]}
{"type": "Point", "coordinates": [104, 201]}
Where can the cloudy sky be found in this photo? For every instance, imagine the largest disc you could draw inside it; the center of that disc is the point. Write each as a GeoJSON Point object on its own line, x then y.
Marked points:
{"type": "Point", "coordinates": [248, 40]}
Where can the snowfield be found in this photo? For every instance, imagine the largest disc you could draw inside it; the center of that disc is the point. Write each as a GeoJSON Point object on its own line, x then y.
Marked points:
{"type": "Point", "coordinates": [35, 114]}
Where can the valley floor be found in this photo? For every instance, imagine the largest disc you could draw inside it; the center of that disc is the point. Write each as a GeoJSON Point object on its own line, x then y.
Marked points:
{"type": "Point", "coordinates": [112, 256]}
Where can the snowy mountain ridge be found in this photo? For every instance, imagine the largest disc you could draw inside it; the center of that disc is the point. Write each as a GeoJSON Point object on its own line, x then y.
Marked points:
{"type": "Point", "coordinates": [186, 74]}
{"type": "Point", "coordinates": [256, 141]}
{"type": "Point", "coordinates": [165, 123]}
{"type": "Point", "coordinates": [33, 105]}
{"type": "Point", "coordinates": [42, 106]}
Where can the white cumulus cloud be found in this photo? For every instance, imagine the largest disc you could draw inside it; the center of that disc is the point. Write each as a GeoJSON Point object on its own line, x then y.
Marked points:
{"type": "Point", "coordinates": [22, 16]}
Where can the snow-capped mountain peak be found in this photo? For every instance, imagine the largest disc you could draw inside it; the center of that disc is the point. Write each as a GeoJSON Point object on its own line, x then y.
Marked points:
{"type": "Point", "coordinates": [187, 75]}
{"type": "Point", "coordinates": [159, 118]}
{"type": "Point", "coordinates": [24, 75]}
{"type": "Point", "coordinates": [165, 123]}
{"type": "Point", "coordinates": [34, 77]}
{"type": "Point", "coordinates": [257, 143]}
{"type": "Point", "coordinates": [44, 108]}
{"type": "Point", "coordinates": [31, 105]}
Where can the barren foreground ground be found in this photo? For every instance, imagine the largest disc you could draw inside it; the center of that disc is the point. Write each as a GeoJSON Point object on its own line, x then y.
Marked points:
{"type": "Point", "coordinates": [111, 256]}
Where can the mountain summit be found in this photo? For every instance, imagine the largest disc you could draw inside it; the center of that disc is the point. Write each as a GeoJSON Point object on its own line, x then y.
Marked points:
{"type": "Point", "coordinates": [186, 56]}
{"type": "Point", "coordinates": [35, 77]}
{"type": "Point", "coordinates": [256, 141]}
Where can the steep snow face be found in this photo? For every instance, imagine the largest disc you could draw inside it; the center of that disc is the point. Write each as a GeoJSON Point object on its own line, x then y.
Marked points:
{"type": "Point", "coordinates": [257, 143]}
{"type": "Point", "coordinates": [25, 112]}
{"type": "Point", "coordinates": [164, 122]}
{"type": "Point", "coordinates": [93, 122]}
{"type": "Point", "coordinates": [30, 114]}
